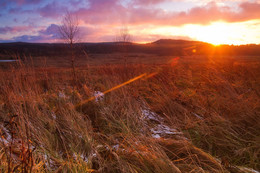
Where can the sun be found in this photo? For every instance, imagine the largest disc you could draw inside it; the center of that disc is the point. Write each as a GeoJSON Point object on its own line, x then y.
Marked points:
{"type": "Point", "coordinates": [217, 33]}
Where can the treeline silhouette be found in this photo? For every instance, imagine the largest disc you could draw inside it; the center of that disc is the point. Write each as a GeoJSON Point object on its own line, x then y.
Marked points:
{"type": "Point", "coordinates": [161, 47]}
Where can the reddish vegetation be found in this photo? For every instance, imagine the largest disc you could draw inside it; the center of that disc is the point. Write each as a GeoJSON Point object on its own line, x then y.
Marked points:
{"type": "Point", "coordinates": [209, 106]}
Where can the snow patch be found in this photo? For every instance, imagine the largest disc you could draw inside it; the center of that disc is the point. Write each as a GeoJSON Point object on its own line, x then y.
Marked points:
{"type": "Point", "coordinates": [248, 170]}
{"type": "Point", "coordinates": [150, 115]}
{"type": "Point", "coordinates": [115, 147]}
{"type": "Point", "coordinates": [61, 95]}
{"type": "Point", "coordinates": [6, 137]}
{"type": "Point", "coordinates": [157, 136]}
{"type": "Point", "coordinates": [8, 60]}
{"type": "Point", "coordinates": [99, 96]}
{"type": "Point", "coordinates": [160, 129]}
{"type": "Point", "coordinates": [198, 116]}
{"type": "Point", "coordinates": [53, 115]}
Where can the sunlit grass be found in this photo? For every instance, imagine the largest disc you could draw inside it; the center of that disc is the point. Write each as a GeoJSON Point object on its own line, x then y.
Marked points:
{"type": "Point", "coordinates": [214, 105]}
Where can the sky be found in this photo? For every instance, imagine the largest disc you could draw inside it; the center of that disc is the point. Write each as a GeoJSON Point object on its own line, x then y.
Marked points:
{"type": "Point", "coordinates": [217, 22]}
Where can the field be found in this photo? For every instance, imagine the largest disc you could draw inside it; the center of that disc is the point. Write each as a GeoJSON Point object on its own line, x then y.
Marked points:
{"type": "Point", "coordinates": [136, 112]}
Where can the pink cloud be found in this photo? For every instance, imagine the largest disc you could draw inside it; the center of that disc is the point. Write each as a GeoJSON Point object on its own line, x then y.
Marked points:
{"type": "Point", "coordinates": [148, 2]}
{"type": "Point", "coordinates": [22, 2]}
{"type": "Point", "coordinates": [14, 29]}
{"type": "Point", "coordinates": [102, 11]}
{"type": "Point", "coordinates": [112, 12]}
{"type": "Point", "coordinates": [249, 11]}
{"type": "Point", "coordinates": [107, 14]}
{"type": "Point", "coordinates": [197, 15]}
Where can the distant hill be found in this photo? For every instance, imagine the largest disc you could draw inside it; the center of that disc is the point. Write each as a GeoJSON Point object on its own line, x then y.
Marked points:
{"type": "Point", "coordinates": [159, 47]}
{"type": "Point", "coordinates": [175, 42]}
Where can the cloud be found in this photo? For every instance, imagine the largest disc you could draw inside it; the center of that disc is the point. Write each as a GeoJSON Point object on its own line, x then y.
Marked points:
{"type": "Point", "coordinates": [4, 30]}
{"type": "Point", "coordinates": [44, 35]}
{"type": "Point", "coordinates": [15, 3]}
{"type": "Point", "coordinates": [14, 29]}
{"type": "Point", "coordinates": [153, 37]}
{"type": "Point", "coordinates": [52, 31]}
{"type": "Point", "coordinates": [113, 12]}
{"type": "Point", "coordinates": [148, 2]}
{"type": "Point", "coordinates": [3, 3]}
{"type": "Point", "coordinates": [75, 3]}
{"type": "Point", "coordinates": [249, 10]}
{"type": "Point", "coordinates": [108, 14]}
{"type": "Point", "coordinates": [102, 11]}
{"type": "Point", "coordinates": [28, 38]}
{"type": "Point", "coordinates": [24, 2]}
{"type": "Point", "coordinates": [51, 34]}
{"type": "Point", "coordinates": [198, 15]}
{"type": "Point", "coordinates": [212, 12]}
{"type": "Point", "coordinates": [52, 10]}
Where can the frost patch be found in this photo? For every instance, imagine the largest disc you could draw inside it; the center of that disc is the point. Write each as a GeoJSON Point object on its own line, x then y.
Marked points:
{"type": "Point", "coordinates": [157, 136]}
{"type": "Point", "coordinates": [150, 115]}
{"type": "Point", "coordinates": [99, 96]}
{"type": "Point", "coordinates": [198, 116]}
{"type": "Point", "coordinates": [5, 136]}
{"type": "Point", "coordinates": [248, 170]}
{"type": "Point", "coordinates": [8, 60]}
{"type": "Point", "coordinates": [53, 115]}
{"type": "Point", "coordinates": [61, 95]}
{"type": "Point", "coordinates": [115, 147]}
{"type": "Point", "coordinates": [161, 129]}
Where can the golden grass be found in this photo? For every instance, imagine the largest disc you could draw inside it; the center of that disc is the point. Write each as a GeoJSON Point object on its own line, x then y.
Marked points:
{"type": "Point", "coordinates": [60, 128]}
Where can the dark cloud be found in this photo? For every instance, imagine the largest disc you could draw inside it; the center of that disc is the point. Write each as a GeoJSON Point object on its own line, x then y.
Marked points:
{"type": "Point", "coordinates": [15, 10]}
{"type": "Point", "coordinates": [3, 3]}
{"type": "Point", "coordinates": [4, 30]}
{"type": "Point", "coordinates": [29, 38]}
{"type": "Point", "coordinates": [52, 10]}
{"type": "Point", "coordinates": [18, 3]}
{"type": "Point", "coordinates": [45, 35]}
{"type": "Point", "coordinates": [75, 3]}
{"type": "Point", "coordinates": [51, 31]}
{"type": "Point", "coordinates": [153, 37]}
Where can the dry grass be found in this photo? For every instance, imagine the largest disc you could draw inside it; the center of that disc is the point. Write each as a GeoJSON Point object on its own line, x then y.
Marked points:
{"type": "Point", "coordinates": [45, 128]}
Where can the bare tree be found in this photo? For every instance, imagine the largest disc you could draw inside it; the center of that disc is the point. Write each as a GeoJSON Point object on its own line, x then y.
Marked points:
{"type": "Point", "coordinates": [69, 31]}
{"type": "Point", "coordinates": [123, 39]}
{"type": "Point", "coordinates": [124, 35]}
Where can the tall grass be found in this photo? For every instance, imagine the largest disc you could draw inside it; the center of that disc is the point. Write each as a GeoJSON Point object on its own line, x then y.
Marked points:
{"type": "Point", "coordinates": [45, 128]}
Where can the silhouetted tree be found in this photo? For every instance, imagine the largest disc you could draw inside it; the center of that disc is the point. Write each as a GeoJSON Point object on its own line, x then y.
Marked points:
{"type": "Point", "coordinates": [124, 35]}
{"type": "Point", "coordinates": [69, 31]}
{"type": "Point", "coordinates": [123, 39]}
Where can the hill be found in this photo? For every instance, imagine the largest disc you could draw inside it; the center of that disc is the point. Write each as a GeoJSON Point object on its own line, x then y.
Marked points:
{"type": "Point", "coordinates": [160, 47]}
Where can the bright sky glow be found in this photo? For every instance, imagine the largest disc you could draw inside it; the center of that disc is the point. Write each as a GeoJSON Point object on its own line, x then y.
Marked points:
{"type": "Point", "coordinates": [217, 22]}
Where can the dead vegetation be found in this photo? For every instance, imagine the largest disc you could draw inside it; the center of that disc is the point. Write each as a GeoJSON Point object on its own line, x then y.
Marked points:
{"type": "Point", "coordinates": [210, 109]}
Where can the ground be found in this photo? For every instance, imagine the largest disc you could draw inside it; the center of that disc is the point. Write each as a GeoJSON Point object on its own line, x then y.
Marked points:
{"type": "Point", "coordinates": [130, 113]}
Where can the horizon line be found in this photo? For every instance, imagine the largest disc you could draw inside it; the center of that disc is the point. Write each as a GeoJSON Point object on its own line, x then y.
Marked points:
{"type": "Point", "coordinates": [141, 42]}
